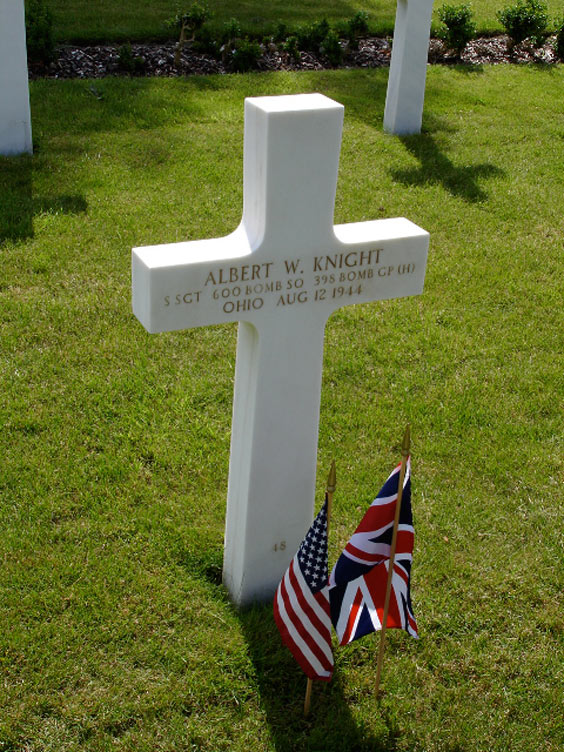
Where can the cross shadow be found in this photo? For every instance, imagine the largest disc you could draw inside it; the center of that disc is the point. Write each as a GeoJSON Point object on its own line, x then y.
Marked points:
{"type": "Point", "coordinates": [330, 726]}
{"type": "Point", "coordinates": [437, 168]}
{"type": "Point", "coordinates": [19, 206]}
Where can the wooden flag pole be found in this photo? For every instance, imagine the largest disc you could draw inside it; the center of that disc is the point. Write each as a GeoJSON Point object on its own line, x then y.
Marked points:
{"type": "Point", "coordinates": [330, 489]}
{"type": "Point", "coordinates": [307, 701]}
{"type": "Point", "coordinates": [404, 456]}
{"type": "Point", "coordinates": [331, 486]}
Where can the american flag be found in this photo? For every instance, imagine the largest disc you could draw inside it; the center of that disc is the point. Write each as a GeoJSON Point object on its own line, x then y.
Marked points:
{"type": "Point", "coordinates": [357, 585]}
{"type": "Point", "coordinates": [301, 604]}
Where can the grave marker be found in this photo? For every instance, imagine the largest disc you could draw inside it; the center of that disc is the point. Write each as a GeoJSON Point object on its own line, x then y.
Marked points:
{"type": "Point", "coordinates": [408, 67]}
{"type": "Point", "coordinates": [283, 271]}
{"type": "Point", "coordinates": [15, 119]}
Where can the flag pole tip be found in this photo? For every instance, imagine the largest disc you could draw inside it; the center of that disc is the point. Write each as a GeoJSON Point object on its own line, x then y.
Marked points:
{"type": "Point", "coordinates": [332, 479]}
{"type": "Point", "coordinates": [406, 441]}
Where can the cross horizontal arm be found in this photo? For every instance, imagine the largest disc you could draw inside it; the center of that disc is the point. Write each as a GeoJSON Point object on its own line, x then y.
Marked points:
{"type": "Point", "coordinates": [185, 285]}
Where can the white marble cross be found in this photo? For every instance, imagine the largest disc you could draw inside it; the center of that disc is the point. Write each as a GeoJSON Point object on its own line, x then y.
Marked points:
{"type": "Point", "coordinates": [15, 119]}
{"type": "Point", "coordinates": [408, 67]}
{"type": "Point", "coordinates": [281, 274]}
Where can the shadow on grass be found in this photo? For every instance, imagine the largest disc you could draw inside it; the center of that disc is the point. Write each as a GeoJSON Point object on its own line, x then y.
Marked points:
{"type": "Point", "coordinates": [330, 726]}
{"type": "Point", "coordinates": [437, 168]}
{"type": "Point", "coordinates": [470, 69]}
{"type": "Point", "coordinates": [19, 206]}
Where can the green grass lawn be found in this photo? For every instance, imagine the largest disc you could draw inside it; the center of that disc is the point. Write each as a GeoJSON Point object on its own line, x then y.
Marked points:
{"type": "Point", "coordinates": [102, 20]}
{"type": "Point", "coordinates": [116, 632]}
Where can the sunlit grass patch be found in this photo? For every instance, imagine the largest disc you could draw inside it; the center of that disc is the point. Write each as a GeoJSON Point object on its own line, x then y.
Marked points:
{"type": "Point", "coordinates": [116, 632]}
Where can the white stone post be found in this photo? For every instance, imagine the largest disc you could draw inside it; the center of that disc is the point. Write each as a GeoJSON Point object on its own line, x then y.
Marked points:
{"type": "Point", "coordinates": [408, 67]}
{"type": "Point", "coordinates": [15, 118]}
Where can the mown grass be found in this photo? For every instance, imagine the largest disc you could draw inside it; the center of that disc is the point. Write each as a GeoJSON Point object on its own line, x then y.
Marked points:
{"type": "Point", "coordinates": [84, 21]}
{"type": "Point", "coordinates": [116, 632]}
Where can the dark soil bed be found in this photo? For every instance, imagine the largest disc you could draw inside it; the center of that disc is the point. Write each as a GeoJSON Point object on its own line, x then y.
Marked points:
{"type": "Point", "coordinates": [373, 52]}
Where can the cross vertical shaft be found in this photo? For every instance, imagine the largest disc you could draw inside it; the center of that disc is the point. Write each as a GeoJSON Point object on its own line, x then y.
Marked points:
{"type": "Point", "coordinates": [290, 176]}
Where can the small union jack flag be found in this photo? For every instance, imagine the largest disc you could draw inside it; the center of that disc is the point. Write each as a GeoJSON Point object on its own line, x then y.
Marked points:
{"type": "Point", "coordinates": [357, 585]}
{"type": "Point", "coordinates": [301, 604]}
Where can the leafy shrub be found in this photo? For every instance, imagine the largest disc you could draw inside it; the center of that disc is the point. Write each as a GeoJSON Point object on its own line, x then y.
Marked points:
{"type": "Point", "coordinates": [239, 53]}
{"type": "Point", "coordinates": [560, 40]}
{"type": "Point", "coordinates": [354, 28]}
{"type": "Point", "coordinates": [39, 32]}
{"type": "Point", "coordinates": [281, 33]}
{"type": "Point", "coordinates": [231, 31]}
{"type": "Point", "coordinates": [311, 37]}
{"type": "Point", "coordinates": [527, 19]}
{"type": "Point", "coordinates": [292, 49]}
{"type": "Point", "coordinates": [230, 38]}
{"type": "Point", "coordinates": [128, 63]}
{"type": "Point", "coordinates": [331, 48]}
{"type": "Point", "coordinates": [358, 24]}
{"type": "Point", "coordinates": [245, 55]}
{"type": "Point", "coordinates": [460, 28]}
{"type": "Point", "coordinates": [206, 42]}
{"type": "Point", "coordinates": [187, 22]}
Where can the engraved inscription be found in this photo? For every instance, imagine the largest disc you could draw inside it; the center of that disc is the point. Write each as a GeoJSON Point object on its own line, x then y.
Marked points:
{"type": "Point", "coordinates": [239, 289]}
{"type": "Point", "coordinates": [350, 260]}
{"type": "Point", "coordinates": [247, 272]}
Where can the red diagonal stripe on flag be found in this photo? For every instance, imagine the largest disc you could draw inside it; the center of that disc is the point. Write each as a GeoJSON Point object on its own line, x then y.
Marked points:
{"type": "Point", "coordinates": [357, 604]}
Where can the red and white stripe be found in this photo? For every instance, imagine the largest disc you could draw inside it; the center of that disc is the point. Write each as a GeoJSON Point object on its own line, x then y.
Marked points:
{"type": "Point", "coordinates": [304, 621]}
